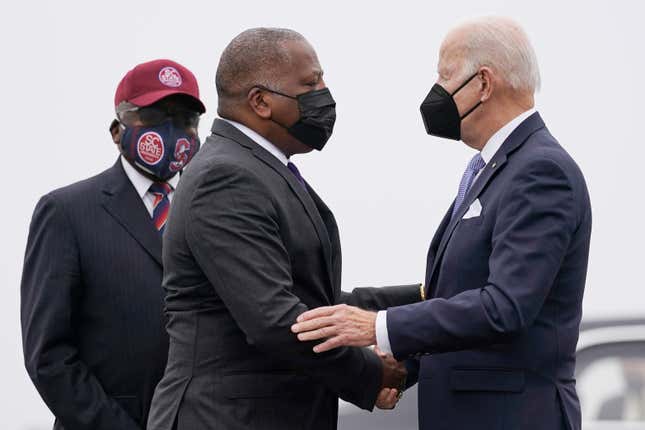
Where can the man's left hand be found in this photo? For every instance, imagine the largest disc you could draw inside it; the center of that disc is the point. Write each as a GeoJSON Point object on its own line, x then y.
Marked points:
{"type": "Point", "coordinates": [340, 325]}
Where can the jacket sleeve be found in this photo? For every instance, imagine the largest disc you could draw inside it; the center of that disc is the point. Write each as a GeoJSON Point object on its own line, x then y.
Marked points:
{"type": "Point", "coordinates": [49, 296]}
{"type": "Point", "coordinates": [535, 221]}
{"type": "Point", "coordinates": [232, 231]}
{"type": "Point", "coordinates": [412, 365]}
{"type": "Point", "coordinates": [381, 298]}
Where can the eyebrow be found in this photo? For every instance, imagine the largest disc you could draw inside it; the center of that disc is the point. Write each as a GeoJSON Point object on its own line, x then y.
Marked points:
{"type": "Point", "coordinates": [316, 74]}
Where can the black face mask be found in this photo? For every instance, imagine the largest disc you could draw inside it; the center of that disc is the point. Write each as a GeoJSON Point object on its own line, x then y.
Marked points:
{"type": "Point", "coordinates": [317, 117]}
{"type": "Point", "coordinates": [440, 114]}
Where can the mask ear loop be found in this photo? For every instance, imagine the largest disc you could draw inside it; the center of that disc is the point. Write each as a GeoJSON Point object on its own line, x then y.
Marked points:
{"type": "Point", "coordinates": [471, 110]}
{"type": "Point", "coordinates": [262, 87]}
{"type": "Point", "coordinates": [464, 84]}
{"type": "Point", "coordinates": [459, 88]}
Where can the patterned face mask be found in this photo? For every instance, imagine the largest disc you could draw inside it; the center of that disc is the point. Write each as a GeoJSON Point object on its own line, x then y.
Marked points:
{"type": "Point", "coordinates": [161, 150]}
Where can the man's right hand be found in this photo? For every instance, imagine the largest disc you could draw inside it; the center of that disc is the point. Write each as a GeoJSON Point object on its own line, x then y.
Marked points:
{"type": "Point", "coordinates": [387, 398]}
{"type": "Point", "coordinates": [394, 376]}
{"type": "Point", "coordinates": [394, 373]}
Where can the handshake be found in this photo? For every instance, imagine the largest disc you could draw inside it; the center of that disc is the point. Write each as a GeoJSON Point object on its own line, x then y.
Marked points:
{"type": "Point", "coordinates": [394, 379]}
{"type": "Point", "coordinates": [344, 325]}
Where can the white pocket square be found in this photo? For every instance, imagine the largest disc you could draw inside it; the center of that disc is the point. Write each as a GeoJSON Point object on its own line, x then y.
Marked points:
{"type": "Point", "coordinates": [474, 210]}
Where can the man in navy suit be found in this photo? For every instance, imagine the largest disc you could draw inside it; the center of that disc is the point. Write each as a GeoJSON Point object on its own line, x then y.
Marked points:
{"type": "Point", "coordinates": [91, 299]}
{"type": "Point", "coordinates": [494, 342]}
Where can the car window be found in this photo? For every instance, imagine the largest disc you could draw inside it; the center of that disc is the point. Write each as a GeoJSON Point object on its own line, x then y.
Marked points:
{"type": "Point", "coordinates": [611, 382]}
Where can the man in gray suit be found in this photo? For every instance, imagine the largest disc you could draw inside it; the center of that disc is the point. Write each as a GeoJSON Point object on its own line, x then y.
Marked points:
{"type": "Point", "coordinates": [250, 246]}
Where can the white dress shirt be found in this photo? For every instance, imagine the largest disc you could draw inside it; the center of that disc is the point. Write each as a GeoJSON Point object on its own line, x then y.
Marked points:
{"type": "Point", "coordinates": [497, 139]}
{"type": "Point", "coordinates": [142, 185]}
{"type": "Point", "coordinates": [260, 140]}
{"type": "Point", "coordinates": [488, 151]}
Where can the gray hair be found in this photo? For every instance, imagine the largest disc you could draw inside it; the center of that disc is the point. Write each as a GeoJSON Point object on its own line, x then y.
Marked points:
{"type": "Point", "coordinates": [256, 56]}
{"type": "Point", "coordinates": [501, 44]}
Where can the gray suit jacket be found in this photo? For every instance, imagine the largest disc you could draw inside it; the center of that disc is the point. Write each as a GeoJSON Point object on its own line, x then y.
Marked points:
{"type": "Point", "coordinates": [247, 249]}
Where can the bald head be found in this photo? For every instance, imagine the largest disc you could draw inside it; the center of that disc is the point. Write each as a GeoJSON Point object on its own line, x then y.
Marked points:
{"type": "Point", "coordinates": [258, 56]}
{"type": "Point", "coordinates": [494, 42]}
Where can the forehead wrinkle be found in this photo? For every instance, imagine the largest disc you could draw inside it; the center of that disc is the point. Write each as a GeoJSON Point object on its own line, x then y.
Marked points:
{"type": "Point", "coordinates": [452, 55]}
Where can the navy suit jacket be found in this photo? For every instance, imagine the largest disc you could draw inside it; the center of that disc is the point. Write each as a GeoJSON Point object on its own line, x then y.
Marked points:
{"type": "Point", "coordinates": [495, 341]}
{"type": "Point", "coordinates": [92, 304]}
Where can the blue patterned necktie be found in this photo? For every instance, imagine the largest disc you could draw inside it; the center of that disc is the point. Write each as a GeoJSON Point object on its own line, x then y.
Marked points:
{"type": "Point", "coordinates": [475, 165]}
{"type": "Point", "coordinates": [296, 173]}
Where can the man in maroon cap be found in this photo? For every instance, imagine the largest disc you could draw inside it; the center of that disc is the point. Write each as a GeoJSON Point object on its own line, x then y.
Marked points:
{"type": "Point", "coordinates": [91, 297]}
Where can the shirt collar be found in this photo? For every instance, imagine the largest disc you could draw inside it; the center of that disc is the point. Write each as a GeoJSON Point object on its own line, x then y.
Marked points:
{"type": "Point", "coordinates": [140, 182]}
{"type": "Point", "coordinates": [260, 140]}
{"type": "Point", "coordinates": [497, 139]}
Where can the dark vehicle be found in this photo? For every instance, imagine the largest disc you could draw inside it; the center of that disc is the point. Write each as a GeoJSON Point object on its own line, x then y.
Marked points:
{"type": "Point", "coordinates": [610, 377]}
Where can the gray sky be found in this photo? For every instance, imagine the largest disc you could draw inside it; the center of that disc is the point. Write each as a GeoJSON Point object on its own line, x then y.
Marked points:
{"type": "Point", "coordinates": [388, 183]}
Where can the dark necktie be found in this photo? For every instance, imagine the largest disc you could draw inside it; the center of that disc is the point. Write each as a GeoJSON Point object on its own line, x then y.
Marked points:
{"type": "Point", "coordinates": [296, 173]}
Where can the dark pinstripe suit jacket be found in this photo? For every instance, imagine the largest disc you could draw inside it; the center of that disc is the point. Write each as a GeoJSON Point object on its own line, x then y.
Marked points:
{"type": "Point", "coordinates": [91, 305]}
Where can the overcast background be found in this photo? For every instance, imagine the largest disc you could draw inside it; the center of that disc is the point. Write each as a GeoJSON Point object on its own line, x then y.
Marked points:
{"type": "Point", "coordinates": [388, 183]}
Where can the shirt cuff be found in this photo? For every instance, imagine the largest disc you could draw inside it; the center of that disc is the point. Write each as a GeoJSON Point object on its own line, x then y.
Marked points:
{"type": "Point", "coordinates": [382, 337]}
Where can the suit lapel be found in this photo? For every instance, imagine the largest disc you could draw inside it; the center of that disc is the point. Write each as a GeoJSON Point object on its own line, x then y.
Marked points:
{"type": "Point", "coordinates": [512, 142]}
{"type": "Point", "coordinates": [334, 239]}
{"type": "Point", "coordinates": [434, 246]}
{"type": "Point", "coordinates": [328, 219]}
{"type": "Point", "coordinates": [122, 202]}
{"type": "Point", "coordinates": [484, 178]}
{"type": "Point", "coordinates": [224, 129]}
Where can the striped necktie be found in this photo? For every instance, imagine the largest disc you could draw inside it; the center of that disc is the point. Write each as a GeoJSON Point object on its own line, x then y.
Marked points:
{"type": "Point", "coordinates": [161, 204]}
{"type": "Point", "coordinates": [474, 166]}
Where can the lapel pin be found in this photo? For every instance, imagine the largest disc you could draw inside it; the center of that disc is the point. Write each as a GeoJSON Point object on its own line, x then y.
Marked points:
{"type": "Point", "coordinates": [494, 165]}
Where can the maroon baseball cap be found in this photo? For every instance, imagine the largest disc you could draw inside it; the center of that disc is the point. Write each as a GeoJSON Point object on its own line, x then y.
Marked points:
{"type": "Point", "coordinates": [149, 82]}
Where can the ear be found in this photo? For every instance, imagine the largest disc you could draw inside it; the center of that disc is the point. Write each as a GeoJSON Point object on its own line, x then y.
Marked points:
{"type": "Point", "coordinates": [486, 77]}
{"type": "Point", "coordinates": [116, 134]}
{"type": "Point", "coordinates": [260, 102]}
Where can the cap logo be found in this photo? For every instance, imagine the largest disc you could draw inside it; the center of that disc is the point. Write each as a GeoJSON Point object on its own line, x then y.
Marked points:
{"type": "Point", "coordinates": [150, 148]}
{"type": "Point", "coordinates": [170, 77]}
